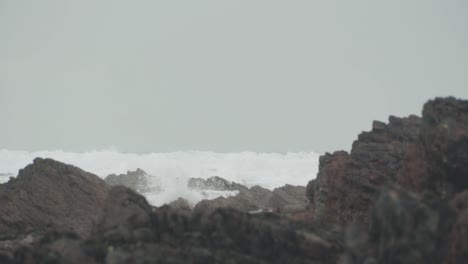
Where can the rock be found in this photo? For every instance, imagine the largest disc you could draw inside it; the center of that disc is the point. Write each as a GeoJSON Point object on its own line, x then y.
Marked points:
{"type": "Point", "coordinates": [404, 228]}
{"type": "Point", "coordinates": [5, 177]}
{"type": "Point", "coordinates": [348, 184]}
{"type": "Point", "coordinates": [137, 180]}
{"type": "Point", "coordinates": [399, 196]}
{"type": "Point", "coordinates": [49, 195]}
{"type": "Point", "coordinates": [458, 240]}
{"type": "Point", "coordinates": [444, 137]}
{"type": "Point", "coordinates": [123, 210]}
{"type": "Point", "coordinates": [425, 163]}
{"type": "Point", "coordinates": [166, 235]}
{"type": "Point", "coordinates": [214, 183]}
{"type": "Point", "coordinates": [378, 126]}
{"type": "Point", "coordinates": [246, 200]}
{"type": "Point", "coordinates": [286, 200]}
{"type": "Point", "coordinates": [180, 204]}
{"type": "Point", "coordinates": [54, 247]}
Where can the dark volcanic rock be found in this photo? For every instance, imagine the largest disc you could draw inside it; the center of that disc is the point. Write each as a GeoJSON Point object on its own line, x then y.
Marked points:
{"type": "Point", "coordinates": [214, 183]}
{"type": "Point", "coordinates": [458, 242]}
{"type": "Point", "coordinates": [49, 195]}
{"type": "Point", "coordinates": [166, 235]}
{"type": "Point", "coordinates": [287, 199]}
{"type": "Point", "coordinates": [180, 204]}
{"type": "Point", "coordinates": [124, 211]}
{"type": "Point", "coordinates": [444, 136]}
{"type": "Point", "coordinates": [348, 184]}
{"type": "Point", "coordinates": [405, 228]}
{"type": "Point", "coordinates": [81, 220]}
{"type": "Point", "coordinates": [136, 180]}
{"type": "Point", "coordinates": [427, 160]}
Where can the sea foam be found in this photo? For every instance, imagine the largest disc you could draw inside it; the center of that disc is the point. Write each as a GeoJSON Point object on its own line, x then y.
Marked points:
{"type": "Point", "coordinates": [172, 170]}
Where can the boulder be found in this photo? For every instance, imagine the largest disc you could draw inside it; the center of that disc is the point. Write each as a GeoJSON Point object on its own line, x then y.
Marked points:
{"type": "Point", "coordinates": [215, 183]}
{"type": "Point", "coordinates": [285, 200]}
{"type": "Point", "coordinates": [49, 195]}
{"type": "Point", "coordinates": [138, 180]}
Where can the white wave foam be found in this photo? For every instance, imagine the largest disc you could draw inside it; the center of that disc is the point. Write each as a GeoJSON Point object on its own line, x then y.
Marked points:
{"type": "Point", "coordinates": [269, 170]}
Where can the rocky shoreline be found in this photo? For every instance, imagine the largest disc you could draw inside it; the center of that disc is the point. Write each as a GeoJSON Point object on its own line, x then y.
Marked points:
{"type": "Point", "coordinates": [399, 196]}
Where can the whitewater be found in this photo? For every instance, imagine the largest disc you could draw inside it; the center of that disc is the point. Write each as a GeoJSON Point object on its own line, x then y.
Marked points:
{"type": "Point", "coordinates": [172, 170]}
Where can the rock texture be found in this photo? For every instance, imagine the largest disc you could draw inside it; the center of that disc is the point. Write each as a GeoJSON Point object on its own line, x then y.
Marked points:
{"type": "Point", "coordinates": [215, 183]}
{"type": "Point", "coordinates": [401, 193]}
{"type": "Point", "coordinates": [137, 180]}
{"type": "Point", "coordinates": [348, 184]}
{"type": "Point", "coordinates": [286, 200]}
{"type": "Point", "coordinates": [444, 137]}
{"type": "Point", "coordinates": [405, 228]}
{"type": "Point", "coordinates": [49, 195]}
{"type": "Point", "coordinates": [131, 231]}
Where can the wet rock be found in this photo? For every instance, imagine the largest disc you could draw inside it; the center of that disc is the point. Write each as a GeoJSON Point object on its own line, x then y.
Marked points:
{"type": "Point", "coordinates": [137, 180]}
{"type": "Point", "coordinates": [214, 183]}
{"type": "Point", "coordinates": [285, 200]}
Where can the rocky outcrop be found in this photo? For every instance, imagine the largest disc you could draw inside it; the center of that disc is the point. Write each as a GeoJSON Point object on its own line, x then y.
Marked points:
{"type": "Point", "coordinates": [49, 195]}
{"type": "Point", "coordinates": [348, 184]}
{"type": "Point", "coordinates": [444, 138]}
{"type": "Point", "coordinates": [401, 193]}
{"type": "Point", "coordinates": [214, 183]}
{"type": "Point", "coordinates": [405, 227]}
{"type": "Point", "coordinates": [180, 204]}
{"type": "Point", "coordinates": [458, 239]}
{"type": "Point", "coordinates": [130, 231]}
{"type": "Point", "coordinates": [286, 200]}
{"type": "Point", "coordinates": [400, 196]}
{"type": "Point", "coordinates": [74, 217]}
{"type": "Point", "coordinates": [137, 180]}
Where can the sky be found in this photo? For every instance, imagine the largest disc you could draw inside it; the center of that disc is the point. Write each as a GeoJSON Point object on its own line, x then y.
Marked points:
{"type": "Point", "coordinates": [226, 76]}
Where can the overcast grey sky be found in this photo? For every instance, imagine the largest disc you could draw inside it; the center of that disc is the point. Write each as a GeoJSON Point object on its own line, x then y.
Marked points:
{"type": "Point", "coordinates": [154, 76]}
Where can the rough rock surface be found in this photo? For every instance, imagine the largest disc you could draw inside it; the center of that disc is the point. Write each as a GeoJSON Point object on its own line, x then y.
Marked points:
{"type": "Point", "coordinates": [405, 228]}
{"type": "Point", "coordinates": [401, 193]}
{"type": "Point", "coordinates": [287, 199]}
{"type": "Point", "coordinates": [215, 183]}
{"type": "Point", "coordinates": [347, 184]}
{"type": "Point", "coordinates": [180, 204]}
{"type": "Point", "coordinates": [136, 180]}
{"type": "Point", "coordinates": [49, 195]}
{"type": "Point", "coordinates": [444, 137]}
{"type": "Point", "coordinates": [132, 232]}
